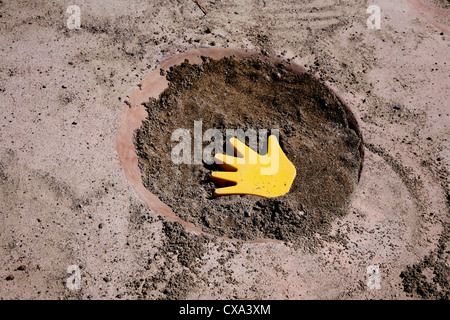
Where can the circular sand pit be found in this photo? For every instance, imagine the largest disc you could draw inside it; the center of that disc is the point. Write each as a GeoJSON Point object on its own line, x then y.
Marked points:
{"type": "Point", "coordinates": [316, 131]}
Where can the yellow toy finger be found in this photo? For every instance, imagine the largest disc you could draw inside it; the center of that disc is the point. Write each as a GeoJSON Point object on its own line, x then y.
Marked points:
{"type": "Point", "coordinates": [272, 144]}
{"type": "Point", "coordinates": [241, 149]}
{"type": "Point", "coordinates": [224, 177]}
{"type": "Point", "coordinates": [226, 162]}
{"type": "Point", "coordinates": [227, 190]}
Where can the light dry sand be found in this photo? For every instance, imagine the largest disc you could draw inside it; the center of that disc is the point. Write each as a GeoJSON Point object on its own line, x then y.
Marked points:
{"type": "Point", "coordinates": [65, 200]}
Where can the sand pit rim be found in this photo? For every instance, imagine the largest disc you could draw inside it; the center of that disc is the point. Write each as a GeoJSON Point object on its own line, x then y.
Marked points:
{"type": "Point", "coordinates": [153, 84]}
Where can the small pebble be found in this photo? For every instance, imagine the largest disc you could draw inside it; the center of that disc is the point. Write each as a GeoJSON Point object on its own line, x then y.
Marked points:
{"type": "Point", "coordinates": [398, 106]}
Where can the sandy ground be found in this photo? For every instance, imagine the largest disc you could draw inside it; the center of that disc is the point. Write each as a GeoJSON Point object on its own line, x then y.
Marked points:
{"type": "Point", "coordinates": [64, 197]}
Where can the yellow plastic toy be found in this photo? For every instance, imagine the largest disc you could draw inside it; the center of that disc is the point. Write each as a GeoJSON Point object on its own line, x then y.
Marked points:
{"type": "Point", "coordinates": [266, 176]}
